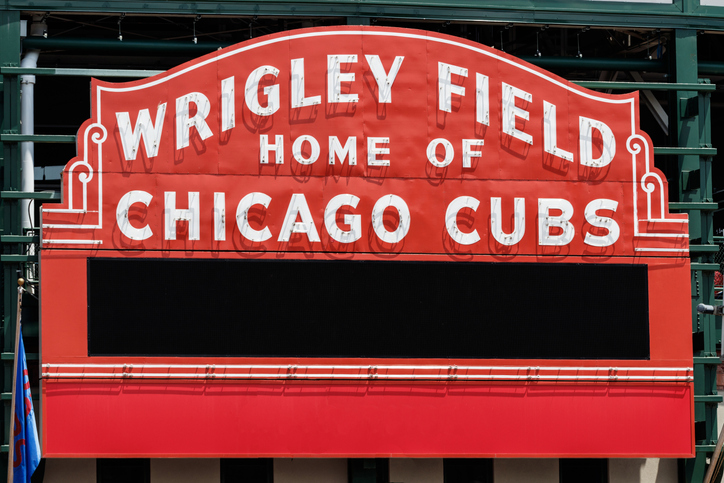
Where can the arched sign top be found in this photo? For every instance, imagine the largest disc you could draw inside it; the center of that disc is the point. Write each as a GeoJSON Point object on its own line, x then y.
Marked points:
{"type": "Point", "coordinates": [364, 139]}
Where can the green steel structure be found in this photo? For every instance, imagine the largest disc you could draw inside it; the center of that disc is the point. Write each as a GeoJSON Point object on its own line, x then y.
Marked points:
{"type": "Point", "coordinates": [674, 44]}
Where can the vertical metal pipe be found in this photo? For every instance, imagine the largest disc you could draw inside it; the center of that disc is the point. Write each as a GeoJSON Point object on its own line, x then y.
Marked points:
{"type": "Point", "coordinates": [27, 149]}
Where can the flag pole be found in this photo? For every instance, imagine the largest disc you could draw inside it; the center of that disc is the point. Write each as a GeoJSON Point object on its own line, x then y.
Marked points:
{"type": "Point", "coordinates": [11, 438]}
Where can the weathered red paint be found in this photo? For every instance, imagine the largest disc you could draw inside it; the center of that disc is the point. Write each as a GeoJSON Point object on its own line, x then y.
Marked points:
{"type": "Point", "coordinates": [408, 421]}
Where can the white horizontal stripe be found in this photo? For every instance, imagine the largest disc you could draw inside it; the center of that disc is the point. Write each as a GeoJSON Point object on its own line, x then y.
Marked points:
{"type": "Point", "coordinates": [665, 220]}
{"type": "Point", "coordinates": [408, 372]}
{"type": "Point", "coordinates": [504, 377]}
{"type": "Point", "coordinates": [76, 242]}
{"type": "Point", "coordinates": [661, 249]}
{"type": "Point", "coordinates": [79, 227]}
{"type": "Point", "coordinates": [367, 366]}
{"type": "Point", "coordinates": [64, 210]}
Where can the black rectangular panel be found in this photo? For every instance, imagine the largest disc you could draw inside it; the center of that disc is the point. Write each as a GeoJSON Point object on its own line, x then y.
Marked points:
{"type": "Point", "coordinates": [299, 308]}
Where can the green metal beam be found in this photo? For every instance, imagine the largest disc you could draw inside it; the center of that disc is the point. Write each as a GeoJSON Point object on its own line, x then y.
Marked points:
{"type": "Point", "coordinates": [153, 47]}
{"type": "Point", "coordinates": [19, 239]}
{"type": "Point", "coordinates": [702, 206]}
{"type": "Point", "coordinates": [142, 74]}
{"type": "Point", "coordinates": [113, 46]}
{"type": "Point", "coordinates": [705, 448]}
{"type": "Point", "coordinates": [37, 138]}
{"type": "Point", "coordinates": [189, 49]}
{"type": "Point", "coordinates": [18, 258]}
{"type": "Point", "coordinates": [6, 396]}
{"type": "Point", "coordinates": [685, 151]}
{"type": "Point", "coordinates": [127, 73]}
{"type": "Point", "coordinates": [9, 356]}
{"type": "Point", "coordinates": [597, 63]}
{"type": "Point", "coordinates": [703, 248]}
{"type": "Point", "coordinates": [35, 195]}
{"type": "Point", "coordinates": [705, 267]}
{"type": "Point", "coordinates": [548, 12]}
{"type": "Point", "coordinates": [651, 86]}
{"type": "Point", "coordinates": [711, 68]}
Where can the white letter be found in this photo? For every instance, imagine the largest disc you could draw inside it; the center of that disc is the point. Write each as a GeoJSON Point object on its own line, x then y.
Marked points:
{"type": "Point", "coordinates": [384, 81]}
{"type": "Point", "coordinates": [172, 215]}
{"type": "Point", "coordinates": [298, 99]}
{"type": "Point", "coordinates": [122, 215]}
{"type": "Point", "coordinates": [228, 104]}
{"type": "Point", "coordinates": [378, 224]}
{"type": "Point", "coordinates": [131, 139]}
{"type": "Point", "coordinates": [445, 86]}
{"type": "Point", "coordinates": [373, 151]}
{"type": "Point", "coordinates": [496, 221]}
{"type": "Point", "coordinates": [335, 77]}
{"type": "Point", "coordinates": [482, 96]}
{"type": "Point", "coordinates": [546, 221]}
{"type": "Point", "coordinates": [602, 222]}
{"type": "Point", "coordinates": [354, 221]}
{"type": "Point", "coordinates": [349, 149]}
{"type": "Point", "coordinates": [609, 143]}
{"type": "Point", "coordinates": [469, 153]}
{"type": "Point", "coordinates": [298, 206]}
{"type": "Point", "coordinates": [451, 220]}
{"type": "Point", "coordinates": [265, 147]}
{"type": "Point", "coordinates": [242, 217]}
{"type": "Point", "coordinates": [511, 111]}
{"type": "Point", "coordinates": [550, 136]}
{"type": "Point", "coordinates": [432, 157]}
{"type": "Point", "coordinates": [219, 216]}
{"type": "Point", "coordinates": [297, 149]}
{"type": "Point", "coordinates": [184, 124]}
{"type": "Point", "coordinates": [252, 91]}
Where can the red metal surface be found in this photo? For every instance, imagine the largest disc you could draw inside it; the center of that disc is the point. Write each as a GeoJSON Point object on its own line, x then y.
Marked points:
{"type": "Point", "coordinates": [615, 417]}
{"type": "Point", "coordinates": [372, 419]}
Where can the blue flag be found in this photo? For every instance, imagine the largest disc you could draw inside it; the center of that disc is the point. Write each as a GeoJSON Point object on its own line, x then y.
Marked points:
{"type": "Point", "coordinates": [26, 446]}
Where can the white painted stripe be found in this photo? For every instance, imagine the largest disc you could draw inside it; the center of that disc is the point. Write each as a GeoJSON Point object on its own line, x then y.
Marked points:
{"type": "Point", "coordinates": [662, 235]}
{"type": "Point", "coordinates": [366, 366]}
{"type": "Point", "coordinates": [63, 210]}
{"type": "Point", "coordinates": [481, 377]}
{"type": "Point", "coordinates": [75, 242]}
{"type": "Point", "coordinates": [79, 227]}
{"type": "Point", "coordinates": [387, 372]}
{"type": "Point", "coordinates": [665, 220]}
{"type": "Point", "coordinates": [661, 249]}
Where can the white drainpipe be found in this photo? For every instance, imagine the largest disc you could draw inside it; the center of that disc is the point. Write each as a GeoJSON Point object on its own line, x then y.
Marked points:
{"type": "Point", "coordinates": [27, 149]}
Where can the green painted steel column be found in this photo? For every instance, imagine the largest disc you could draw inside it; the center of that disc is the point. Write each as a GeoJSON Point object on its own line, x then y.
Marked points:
{"type": "Point", "coordinates": [694, 184]}
{"type": "Point", "coordinates": [9, 209]}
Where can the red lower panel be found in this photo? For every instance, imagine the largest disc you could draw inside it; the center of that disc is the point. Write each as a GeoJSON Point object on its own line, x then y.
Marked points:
{"type": "Point", "coordinates": [87, 419]}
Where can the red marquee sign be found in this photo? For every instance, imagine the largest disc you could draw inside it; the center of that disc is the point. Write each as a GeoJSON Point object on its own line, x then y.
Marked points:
{"type": "Point", "coordinates": [366, 158]}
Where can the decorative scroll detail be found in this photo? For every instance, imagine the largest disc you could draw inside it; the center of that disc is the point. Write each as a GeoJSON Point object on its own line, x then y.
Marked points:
{"type": "Point", "coordinates": [83, 172]}
{"type": "Point", "coordinates": [653, 224]}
